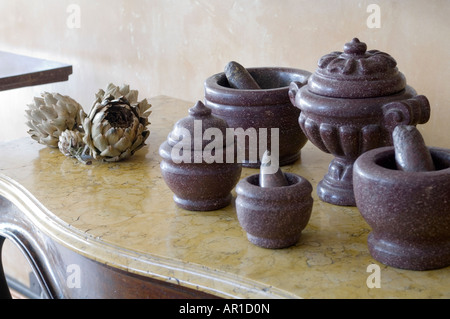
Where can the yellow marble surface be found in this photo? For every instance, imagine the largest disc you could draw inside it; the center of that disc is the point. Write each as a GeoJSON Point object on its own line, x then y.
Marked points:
{"type": "Point", "coordinates": [122, 214]}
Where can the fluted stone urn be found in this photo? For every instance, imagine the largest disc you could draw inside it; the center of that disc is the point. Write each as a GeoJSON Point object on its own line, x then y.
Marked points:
{"type": "Point", "coordinates": [351, 105]}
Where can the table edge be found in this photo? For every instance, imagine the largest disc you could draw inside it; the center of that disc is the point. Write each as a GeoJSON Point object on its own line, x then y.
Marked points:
{"type": "Point", "coordinates": [192, 276]}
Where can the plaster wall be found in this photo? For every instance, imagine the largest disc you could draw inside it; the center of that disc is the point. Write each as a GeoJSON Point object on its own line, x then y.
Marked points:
{"type": "Point", "coordinates": [170, 47]}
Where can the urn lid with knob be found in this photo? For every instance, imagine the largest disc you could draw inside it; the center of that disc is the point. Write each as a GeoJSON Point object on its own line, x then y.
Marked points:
{"type": "Point", "coordinates": [357, 73]}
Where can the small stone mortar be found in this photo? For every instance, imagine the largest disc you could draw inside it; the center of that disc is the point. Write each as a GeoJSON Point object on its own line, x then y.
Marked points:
{"type": "Point", "coordinates": [274, 216]}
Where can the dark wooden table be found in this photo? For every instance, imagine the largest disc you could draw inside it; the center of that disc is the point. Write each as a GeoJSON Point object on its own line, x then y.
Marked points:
{"type": "Point", "coordinates": [18, 71]}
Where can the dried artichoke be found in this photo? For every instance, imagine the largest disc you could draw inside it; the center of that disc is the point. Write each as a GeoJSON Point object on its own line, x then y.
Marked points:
{"type": "Point", "coordinates": [50, 115]}
{"type": "Point", "coordinates": [116, 126]}
{"type": "Point", "coordinates": [71, 143]}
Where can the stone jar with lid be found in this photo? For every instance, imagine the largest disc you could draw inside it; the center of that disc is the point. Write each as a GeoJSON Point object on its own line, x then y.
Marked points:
{"type": "Point", "coordinates": [350, 105]}
{"type": "Point", "coordinates": [194, 161]}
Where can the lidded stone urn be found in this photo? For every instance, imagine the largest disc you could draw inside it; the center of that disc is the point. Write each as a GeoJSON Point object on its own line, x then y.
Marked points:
{"type": "Point", "coordinates": [351, 105]}
{"type": "Point", "coordinates": [194, 162]}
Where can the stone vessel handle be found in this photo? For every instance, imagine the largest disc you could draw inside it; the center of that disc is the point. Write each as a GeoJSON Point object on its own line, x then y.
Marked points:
{"type": "Point", "coordinates": [412, 111]}
{"type": "Point", "coordinates": [293, 89]}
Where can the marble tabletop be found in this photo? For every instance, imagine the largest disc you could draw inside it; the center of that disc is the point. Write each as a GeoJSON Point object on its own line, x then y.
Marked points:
{"type": "Point", "coordinates": [122, 214]}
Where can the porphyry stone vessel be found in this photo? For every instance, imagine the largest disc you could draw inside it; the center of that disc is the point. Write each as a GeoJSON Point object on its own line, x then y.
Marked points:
{"type": "Point", "coordinates": [408, 211]}
{"type": "Point", "coordinates": [267, 107]}
{"type": "Point", "coordinates": [200, 180]}
{"type": "Point", "coordinates": [351, 105]}
{"type": "Point", "coordinates": [274, 214]}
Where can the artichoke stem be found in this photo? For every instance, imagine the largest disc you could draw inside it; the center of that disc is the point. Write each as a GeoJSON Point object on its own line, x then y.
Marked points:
{"type": "Point", "coordinates": [82, 154]}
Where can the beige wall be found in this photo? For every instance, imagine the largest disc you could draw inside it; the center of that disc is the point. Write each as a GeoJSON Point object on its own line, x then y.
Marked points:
{"type": "Point", "coordinates": [171, 46]}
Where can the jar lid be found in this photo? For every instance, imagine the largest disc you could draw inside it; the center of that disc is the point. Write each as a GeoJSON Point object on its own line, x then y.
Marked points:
{"type": "Point", "coordinates": [356, 73]}
{"type": "Point", "coordinates": [190, 131]}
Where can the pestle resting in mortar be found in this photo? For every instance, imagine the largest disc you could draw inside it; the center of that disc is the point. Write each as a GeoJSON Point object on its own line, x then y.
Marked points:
{"type": "Point", "coordinates": [411, 153]}
{"type": "Point", "coordinates": [239, 78]}
{"type": "Point", "coordinates": [270, 176]}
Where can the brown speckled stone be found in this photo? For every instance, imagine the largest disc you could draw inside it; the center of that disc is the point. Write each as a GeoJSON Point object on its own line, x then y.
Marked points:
{"type": "Point", "coordinates": [270, 174]}
{"type": "Point", "coordinates": [274, 217]}
{"type": "Point", "coordinates": [409, 212]}
{"type": "Point", "coordinates": [239, 78]}
{"type": "Point", "coordinates": [198, 185]}
{"type": "Point", "coordinates": [411, 152]}
{"type": "Point", "coordinates": [268, 107]}
{"type": "Point", "coordinates": [351, 105]}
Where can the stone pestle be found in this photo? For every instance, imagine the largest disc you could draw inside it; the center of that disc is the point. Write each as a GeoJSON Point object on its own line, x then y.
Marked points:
{"type": "Point", "coordinates": [239, 78]}
{"type": "Point", "coordinates": [271, 176]}
{"type": "Point", "coordinates": [411, 153]}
